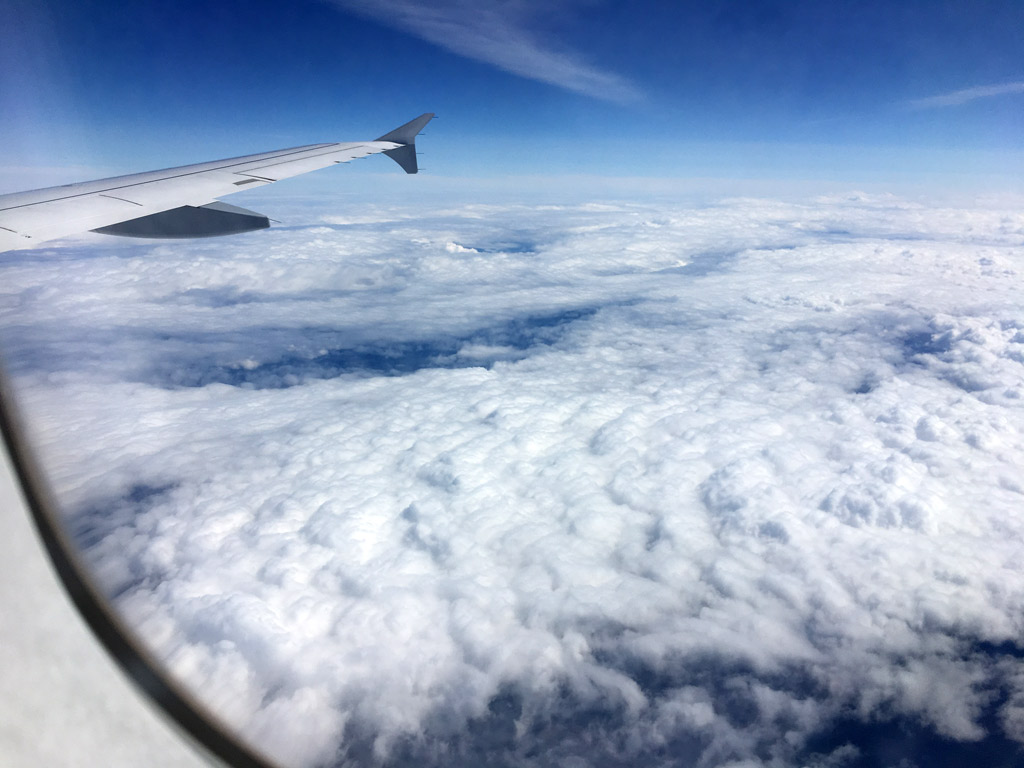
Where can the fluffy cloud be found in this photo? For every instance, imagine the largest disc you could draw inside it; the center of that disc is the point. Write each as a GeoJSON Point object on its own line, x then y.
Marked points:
{"type": "Point", "coordinates": [597, 484]}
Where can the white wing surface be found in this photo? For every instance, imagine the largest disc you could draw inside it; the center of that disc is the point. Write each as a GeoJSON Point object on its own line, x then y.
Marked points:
{"type": "Point", "coordinates": [181, 202]}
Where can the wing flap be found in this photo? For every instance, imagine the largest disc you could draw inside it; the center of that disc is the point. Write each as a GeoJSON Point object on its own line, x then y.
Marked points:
{"type": "Point", "coordinates": [211, 220]}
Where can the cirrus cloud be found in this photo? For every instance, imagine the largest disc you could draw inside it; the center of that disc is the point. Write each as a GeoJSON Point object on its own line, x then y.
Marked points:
{"type": "Point", "coordinates": [506, 35]}
{"type": "Point", "coordinates": [967, 95]}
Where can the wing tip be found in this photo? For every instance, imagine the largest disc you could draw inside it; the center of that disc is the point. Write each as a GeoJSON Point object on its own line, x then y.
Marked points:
{"type": "Point", "coordinates": [406, 134]}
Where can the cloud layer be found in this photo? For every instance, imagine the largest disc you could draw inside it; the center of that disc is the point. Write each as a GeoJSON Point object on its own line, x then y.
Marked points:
{"type": "Point", "coordinates": [956, 98]}
{"type": "Point", "coordinates": [507, 35]}
{"type": "Point", "coordinates": [593, 484]}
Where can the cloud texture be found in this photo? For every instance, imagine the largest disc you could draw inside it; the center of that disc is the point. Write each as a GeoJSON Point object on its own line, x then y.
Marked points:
{"type": "Point", "coordinates": [597, 484]}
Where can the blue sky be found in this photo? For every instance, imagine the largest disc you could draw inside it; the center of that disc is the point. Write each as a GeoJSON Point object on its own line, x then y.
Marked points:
{"type": "Point", "coordinates": [850, 91]}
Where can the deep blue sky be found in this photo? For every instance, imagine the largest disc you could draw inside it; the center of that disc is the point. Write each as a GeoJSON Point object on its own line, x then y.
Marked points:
{"type": "Point", "coordinates": [731, 89]}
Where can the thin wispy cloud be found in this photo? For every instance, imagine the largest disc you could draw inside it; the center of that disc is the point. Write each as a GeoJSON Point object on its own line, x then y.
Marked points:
{"type": "Point", "coordinates": [956, 98]}
{"type": "Point", "coordinates": [507, 35]}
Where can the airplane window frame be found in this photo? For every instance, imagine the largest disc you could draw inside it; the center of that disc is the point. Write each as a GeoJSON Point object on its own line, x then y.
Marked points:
{"type": "Point", "coordinates": [202, 727]}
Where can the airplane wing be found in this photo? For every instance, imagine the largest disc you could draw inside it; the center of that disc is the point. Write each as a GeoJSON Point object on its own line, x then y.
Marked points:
{"type": "Point", "coordinates": [183, 201]}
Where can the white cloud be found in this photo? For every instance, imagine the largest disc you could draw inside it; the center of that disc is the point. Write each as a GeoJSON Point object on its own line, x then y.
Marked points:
{"type": "Point", "coordinates": [508, 35]}
{"type": "Point", "coordinates": [615, 482]}
{"type": "Point", "coordinates": [956, 98]}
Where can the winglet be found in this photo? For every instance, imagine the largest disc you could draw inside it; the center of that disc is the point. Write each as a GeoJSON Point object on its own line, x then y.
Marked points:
{"type": "Point", "coordinates": [405, 135]}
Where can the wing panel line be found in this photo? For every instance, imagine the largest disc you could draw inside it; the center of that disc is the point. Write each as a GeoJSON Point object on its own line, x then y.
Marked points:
{"type": "Point", "coordinates": [165, 178]}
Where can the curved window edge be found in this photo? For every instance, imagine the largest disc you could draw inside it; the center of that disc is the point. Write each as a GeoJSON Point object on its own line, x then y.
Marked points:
{"type": "Point", "coordinates": [192, 718]}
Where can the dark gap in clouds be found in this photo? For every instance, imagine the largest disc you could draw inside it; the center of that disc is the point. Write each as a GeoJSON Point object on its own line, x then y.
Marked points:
{"type": "Point", "coordinates": [488, 740]}
{"type": "Point", "coordinates": [927, 342]}
{"type": "Point", "coordinates": [507, 246]}
{"type": "Point", "coordinates": [93, 522]}
{"type": "Point", "coordinates": [216, 298]}
{"type": "Point", "coordinates": [508, 341]}
{"type": "Point", "coordinates": [701, 264]}
{"type": "Point", "coordinates": [906, 743]}
{"type": "Point", "coordinates": [121, 249]}
{"type": "Point", "coordinates": [655, 533]}
{"type": "Point", "coordinates": [998, 650]}
{"type": "Point", "coordinates": [967, 382]}
{"type": "Point", "coordinates": [955, 354]}
{"type": "Point", "coordinates": [772, 529]}
{"type": "Point", "coordinates": [512, 242]}
{"type": "Point", "coordinates": [230, 296]}
{"type": "Point", "coordinates": [187, 357]}
{"type": "Point", "coordinates": [881, 743]}
{"type": "Point", "coordinates": [895, 740]}
{"type": "Point", "coordinates": [726, 681]}
{"type": "Point", "coordinates": [563, 727]}
{"type": "Point", "coordinates": [438, 549]}
{"type": "Point", "coordinates": [438, 474]}
{"type": "Point", "coordinates": [101, 529]}
{"type": "Point", "coordinates": [965, 353]}
{"type": "Point", "coordinates": [555, 728]}
{"type": "Point", "coordinates": [843, 235]}
{"type": "Point", "coordinates": [720, 676]}
{"type": "Point", "coordinates": [867, 385]}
